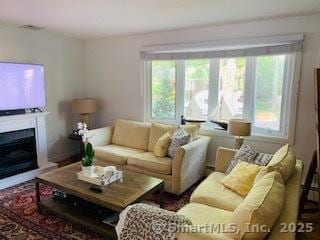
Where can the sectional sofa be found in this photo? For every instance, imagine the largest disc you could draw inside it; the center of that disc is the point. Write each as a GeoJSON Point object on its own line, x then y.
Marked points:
{"type": "Point", "coordinates": [213, 204]}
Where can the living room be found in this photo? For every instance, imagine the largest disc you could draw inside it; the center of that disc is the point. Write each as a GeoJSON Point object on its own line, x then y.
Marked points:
{"type": "Point", "coordinates": [226, 75]}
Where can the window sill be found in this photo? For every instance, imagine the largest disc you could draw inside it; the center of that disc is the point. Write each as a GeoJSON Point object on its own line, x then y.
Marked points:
{"type": "Point", "coordinates": [255, 138]}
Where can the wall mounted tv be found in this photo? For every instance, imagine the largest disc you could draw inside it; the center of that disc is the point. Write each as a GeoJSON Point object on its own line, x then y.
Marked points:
{"type": "Point", "coordinates": [21, 86]}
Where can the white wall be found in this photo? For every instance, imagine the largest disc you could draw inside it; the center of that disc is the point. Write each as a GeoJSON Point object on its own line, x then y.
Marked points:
{"type": "Point", "coordinates": [63, 58]}
{"type": "Point", "coordinates": [114, 70]}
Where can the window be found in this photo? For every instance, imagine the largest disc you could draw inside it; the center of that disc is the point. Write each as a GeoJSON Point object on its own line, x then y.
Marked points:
{"type": "Point", "coordinates": [163, 89]}
{"type": "Point", "coordinates": [269, 77]}
{"type": "Point", "coordinates": [256, 88]}
{"type": "Point", "coordinates": [196, 91]}
{"type": "Point", "coordinates": [202, 81]}
{"type": "Point", "coordinates": [231, 87]}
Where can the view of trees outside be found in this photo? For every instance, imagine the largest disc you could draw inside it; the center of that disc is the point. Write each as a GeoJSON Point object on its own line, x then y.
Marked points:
{"type": "Point", "coordinates": [231, 87]}
{"type": "Point", "coordinates": [163, 89]}
{"type": "Point", "coordinates": [196, 89]}
{"type": "Point", "coordinates": [268, 93]}
{"type": "Point", "coordinates": [269, 84]}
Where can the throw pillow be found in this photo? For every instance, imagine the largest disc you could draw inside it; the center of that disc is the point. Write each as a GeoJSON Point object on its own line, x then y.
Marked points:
{"type": "Point", "coordinates": [241, 178]}
{"type": "Point", "coordinates": [263, 159]}
{"type": "Point", "coordinates": [261, 207]}
{"type": "Point", "coordinates": [179, 139]}
{"type": "Point", "coordinates": [284, 161]}
{"type": "Point", "coordinates": [263, 171]}
{"type": "Point", "coordinates": [245, 153]}
{"type": "Point", "coordinates": [248, 154]}
{"type": "Point", "coordinates": [161, 147]}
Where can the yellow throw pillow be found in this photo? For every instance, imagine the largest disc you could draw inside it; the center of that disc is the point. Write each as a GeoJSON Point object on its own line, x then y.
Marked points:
{"type": "Point", "coordinates": [156, 131]}
{"type": "Point", "coordinates": [256, 215]}
{"type": "Point", "coordinates": [284, 161]}
{"type": "Point", "coordinates": [241, 178]}
{"type": "Point", "coordinates": [161, 147]}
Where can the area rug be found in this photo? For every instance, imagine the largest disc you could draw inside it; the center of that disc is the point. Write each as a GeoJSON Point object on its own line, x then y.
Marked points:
{"type": "Point", "coordinates": [19, 219]}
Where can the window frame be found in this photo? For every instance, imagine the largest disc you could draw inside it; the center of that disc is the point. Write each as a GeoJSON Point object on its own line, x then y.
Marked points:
{"type": "Point", "coordinates": [289, 99]}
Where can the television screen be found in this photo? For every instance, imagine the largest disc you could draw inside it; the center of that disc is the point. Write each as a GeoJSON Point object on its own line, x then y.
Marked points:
{"type": "Point", "coordinates": [21, 86]}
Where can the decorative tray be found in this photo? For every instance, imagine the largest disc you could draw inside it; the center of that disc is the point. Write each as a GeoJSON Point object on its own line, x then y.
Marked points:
{"type": "Point", "coordinates": [99, 178]}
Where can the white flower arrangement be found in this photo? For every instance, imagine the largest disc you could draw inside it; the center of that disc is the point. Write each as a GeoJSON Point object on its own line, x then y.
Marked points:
{"type": "Point", "coordinates": [83, 131]}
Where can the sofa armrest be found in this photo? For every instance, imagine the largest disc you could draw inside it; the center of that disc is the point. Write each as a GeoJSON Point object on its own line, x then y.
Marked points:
{"type": "Point", "coordinates": [189, 164]}
{"type": "Point", "coordinates": [223, 158]}
{"type": "Point", "coordinates": [100, 136]}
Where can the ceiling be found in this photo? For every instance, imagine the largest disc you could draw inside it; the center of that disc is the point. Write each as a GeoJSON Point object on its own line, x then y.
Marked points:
{"type": "Point", "coordinates": [104, 18]}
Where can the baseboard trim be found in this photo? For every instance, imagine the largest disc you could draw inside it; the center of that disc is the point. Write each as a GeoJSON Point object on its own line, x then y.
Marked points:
{"type": "Point", "coordinates": [64, 156]}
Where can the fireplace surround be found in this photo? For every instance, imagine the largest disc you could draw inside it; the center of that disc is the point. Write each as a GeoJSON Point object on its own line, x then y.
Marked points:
{"type": "Point", "coordinates": [23, 148]}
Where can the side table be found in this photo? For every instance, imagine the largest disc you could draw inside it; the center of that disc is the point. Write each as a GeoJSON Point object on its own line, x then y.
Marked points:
{"type": "Point", "coordinates": [78, 138]}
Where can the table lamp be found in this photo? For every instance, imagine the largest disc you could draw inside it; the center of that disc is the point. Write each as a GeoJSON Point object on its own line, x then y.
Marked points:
{"type": "Point", "coordinates": [239, 128]}
{"type": "Point", "coordinates": [84, 107]}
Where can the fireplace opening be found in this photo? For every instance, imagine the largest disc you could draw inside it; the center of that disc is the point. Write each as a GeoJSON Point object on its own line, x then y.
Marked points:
{"type": "Point", "coordinates": [18, 152]}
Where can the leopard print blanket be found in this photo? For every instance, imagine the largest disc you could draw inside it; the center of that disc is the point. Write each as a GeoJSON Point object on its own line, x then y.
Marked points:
{"type": "Point", "coordinates": [144, 222]}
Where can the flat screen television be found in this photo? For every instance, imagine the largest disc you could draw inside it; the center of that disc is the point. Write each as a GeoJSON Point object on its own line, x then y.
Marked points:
{"type": "Point", "coordinates": [21, 86]}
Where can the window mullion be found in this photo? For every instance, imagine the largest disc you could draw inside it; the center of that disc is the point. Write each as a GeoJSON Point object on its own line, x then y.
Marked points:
{"type": "Point", "coordinates": [213, 85]}
{"type": "Point", "coordinates": [180, 86]}
{"type": "Point", "coordinates": [286, 96]}
{"type": "Point", "coordinates": [249, 89]}
{"type": "Point", "coordinates": [148, 86]}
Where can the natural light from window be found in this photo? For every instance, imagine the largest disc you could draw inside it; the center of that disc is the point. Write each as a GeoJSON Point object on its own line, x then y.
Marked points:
{"type": "Point", "coordinates": [255, 88]}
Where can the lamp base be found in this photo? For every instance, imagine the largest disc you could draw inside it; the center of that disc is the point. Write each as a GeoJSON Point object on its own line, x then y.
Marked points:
{"type": "Point", "coordinates": [238, 141]}
{"type": "Point", "coordinates": [85, 118]}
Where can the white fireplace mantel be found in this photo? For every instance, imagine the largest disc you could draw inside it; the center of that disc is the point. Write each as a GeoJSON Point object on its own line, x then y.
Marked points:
{"type": "Point", "coordinates": [26, 121]}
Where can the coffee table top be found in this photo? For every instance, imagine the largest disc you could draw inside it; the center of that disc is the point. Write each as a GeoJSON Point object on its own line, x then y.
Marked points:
{"type": "Point", "coordinates": [116, 196]}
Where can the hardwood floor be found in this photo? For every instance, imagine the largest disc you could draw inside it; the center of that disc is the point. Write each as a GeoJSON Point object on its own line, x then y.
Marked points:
{"type": "Point", "coordinates": [310, 215]}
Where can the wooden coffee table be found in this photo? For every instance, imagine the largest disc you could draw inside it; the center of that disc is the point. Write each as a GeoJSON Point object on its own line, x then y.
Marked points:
{"type": "Point", "coordinates": [115, 197]}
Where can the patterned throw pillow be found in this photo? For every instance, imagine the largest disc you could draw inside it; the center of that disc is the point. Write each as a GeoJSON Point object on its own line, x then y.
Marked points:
{"type": "Point", "coordinates": [248, 154]}
{"type": "Point", "coordinates": [263, 159]}
{"type": "Point", "coordinates": [245, 153]}
{"type": "Point", "coordinates": [179, 139]}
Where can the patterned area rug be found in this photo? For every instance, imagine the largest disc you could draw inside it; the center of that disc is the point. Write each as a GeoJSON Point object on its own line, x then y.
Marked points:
{"type": "Point", "coordinates": [19, 219]}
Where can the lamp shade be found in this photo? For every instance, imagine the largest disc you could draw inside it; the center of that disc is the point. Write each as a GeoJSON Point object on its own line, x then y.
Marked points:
{"type": "Point", "coordinates": [239, 127]}
{"type": "Point", "coordinates": [83, 106]}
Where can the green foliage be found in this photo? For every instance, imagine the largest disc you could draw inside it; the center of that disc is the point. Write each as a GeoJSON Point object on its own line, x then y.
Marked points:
{"type": "Point", "coordinates": [197, 70]}
{"type": "Point", "coordinates": [163, 89]}
{"type": "Point", "coordinates": [270, 72]}
{"type": "Point", "coordinates": [89, 155]}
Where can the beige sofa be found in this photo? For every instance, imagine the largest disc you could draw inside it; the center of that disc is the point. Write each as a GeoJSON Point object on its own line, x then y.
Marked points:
{"type": "Point", "coordinates": [212, 203]}
{"type": "Point", "coordinates": [130, 145]}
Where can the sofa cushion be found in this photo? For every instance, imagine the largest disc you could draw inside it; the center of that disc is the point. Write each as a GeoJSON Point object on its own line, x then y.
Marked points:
{"type": "Point", "coordinates": [148, 161]}
{"type": "Point", "coordinates": [212, 193]}
{"type": "Point", "coordinates": [192, 129]}
{"type": "Point", "coordinates": [241, 178]}
{"type": "Point", "coordinates": [161, 147]}
{"type": "Point", "coordinates": [156, 131]}
{"type": "Point", "coordinates": [200, 214]}
{"type": "Point", "coordinates": [131, 134]}
{"type": "Point", "coordinates": [284, 161]}
{"type": "Point", "coordinates": [289, 213]}
{"type": "Point", "coordinates": [115, 153]}
{"type": "Point", "coordinates": [261, 207]}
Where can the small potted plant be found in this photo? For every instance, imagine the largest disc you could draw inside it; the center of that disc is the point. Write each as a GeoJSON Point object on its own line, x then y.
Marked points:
{"type": "Point", "coordinates": [87, 160]}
